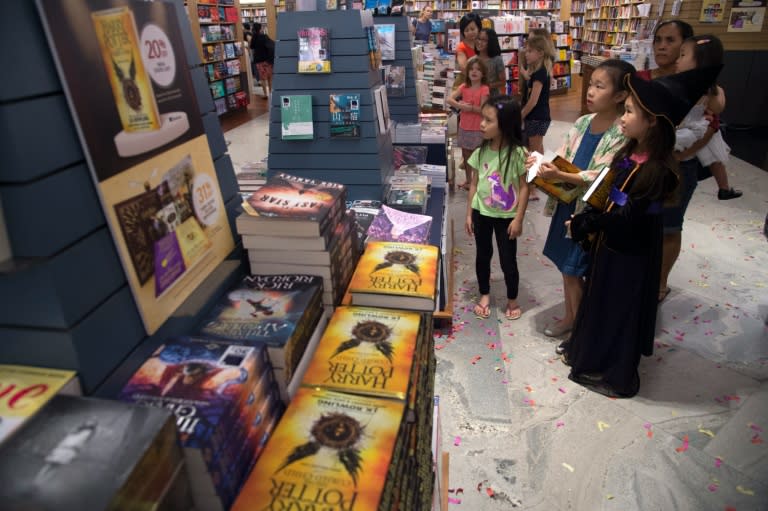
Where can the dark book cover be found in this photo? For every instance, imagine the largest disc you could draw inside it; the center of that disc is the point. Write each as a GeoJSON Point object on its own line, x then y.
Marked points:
{"type": "Point", "coordinates": [78, 453]}
{"type": "Point", "coordinates": [395, 225]}
{"type": "Point", "coordinates": [294, 198]}
{"type": "Point", "coordinates": [345, 115]}
{"type": "Point", "coordinates": [408, 155]}
{"type": "Point", "coordinates": [201, 381]}
{"type": "Point", "coordinates": [395, 81]}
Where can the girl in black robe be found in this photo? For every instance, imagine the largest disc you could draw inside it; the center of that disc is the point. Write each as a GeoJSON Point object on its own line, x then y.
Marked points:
{"type": "Point", "coordinates": [616, 320]}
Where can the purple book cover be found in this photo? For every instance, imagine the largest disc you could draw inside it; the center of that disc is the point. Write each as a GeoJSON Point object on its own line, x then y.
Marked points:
{"type": "Point", "coordinates": [394, 225]}
{"type": "Point", "coordinates": [408, 155]}
{"type": "Point", "coordinates": [169, 263]}
{"type": "Point", "coordinates": [201, 381]}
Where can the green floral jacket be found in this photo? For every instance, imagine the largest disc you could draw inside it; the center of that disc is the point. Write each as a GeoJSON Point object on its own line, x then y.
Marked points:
{"type": "Point", "coordinates": [611, 142]}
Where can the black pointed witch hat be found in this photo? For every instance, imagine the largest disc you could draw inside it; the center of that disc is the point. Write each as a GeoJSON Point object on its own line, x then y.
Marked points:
{"type": "Point", "coordinates": [672, 97]}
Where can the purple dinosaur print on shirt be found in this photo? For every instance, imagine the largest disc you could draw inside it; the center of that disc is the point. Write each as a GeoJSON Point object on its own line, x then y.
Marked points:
{"type": "Point", "coordinates": [499, 197]}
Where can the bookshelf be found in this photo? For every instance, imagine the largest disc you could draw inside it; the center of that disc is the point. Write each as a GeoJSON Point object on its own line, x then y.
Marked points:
{"type": "Point", "coordinates": [609, 23]}
{"type": "Point", "coordinates": [218, 30]}
{"type": "Point", "coordinates": [253, 11]}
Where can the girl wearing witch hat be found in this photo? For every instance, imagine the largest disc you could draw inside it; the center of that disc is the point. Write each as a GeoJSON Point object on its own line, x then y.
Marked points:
{"type": "Point", "coordinates": [616, 320]}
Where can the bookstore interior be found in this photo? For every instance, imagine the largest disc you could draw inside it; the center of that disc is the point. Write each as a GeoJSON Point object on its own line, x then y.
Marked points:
{"type": "Point", "coordinates": [194, 332]}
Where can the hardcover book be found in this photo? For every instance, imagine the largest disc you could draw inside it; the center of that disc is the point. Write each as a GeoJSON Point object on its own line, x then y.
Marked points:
{"type": "Point", "coordinates": [277, 310]}
{"type": "Point", "coordinates": [409, 155]}
{"type": "Point", "coordinates": [296, 117]}
{"type": "Point", "coordinates": [314, 50]}
{"type": "Point", "coordinates": [412, 201]}
{"type": "Point", "coordinates": [291, 205]}
{"type": "Point", "coordinates": [328, 447]}
{"type": "Point", "coordinates": [24, 389]}
{"type": "Point", "coordinates": [386, 40]}
{"type": "Point", "coordinates": [366, 351]}
{"type": "Point", "coordinates": [201, 381]}
{"type": "Point", "coordinates": [598, 194]}
{"type": "Point", "coordinates": [394, 225]}
{"type": "Point", "coordinates": [564, 192]}
{"type": "Point", "coordinates": [396, 275]}
{"type": "Point", "coordinates": [345, 115]}
{"type": "Point", "coordinates": [82, 453]}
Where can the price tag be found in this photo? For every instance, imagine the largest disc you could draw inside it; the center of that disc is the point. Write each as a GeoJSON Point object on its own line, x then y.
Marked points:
{"type": "Point", "coordinates": [204, 199]}
{"type": "Point", "coordinates": [157, 54]}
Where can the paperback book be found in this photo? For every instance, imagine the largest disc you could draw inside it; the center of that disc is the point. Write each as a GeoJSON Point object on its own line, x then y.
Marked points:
{"type": "Point", "coordinates": [345, 115]}
{"type": "Point", "coordinates": [409, 155]}
{"type": "Point", "coordinates": [296, 117]}
{"type": "Point", "coordinates": [24, 389]}
{"type": "Point", "coordinates": [394, 225]}
{"type": "Point", "coordinates": [564, 192]}
{"type": "Point", "coordinates": [395, 81]}
{"type": "Point", "coordinates": [314, 50]}
{"type": "Point", "coordinates": [396, 275]}
{"type": "Point", "coordinates": [366, 351]}
{"type": "Point", "coordinates": [277, 310]}
{"type": "Point", "coordinates": [386, 40]}
{"type": "Point", "coordinates": [328, 447]}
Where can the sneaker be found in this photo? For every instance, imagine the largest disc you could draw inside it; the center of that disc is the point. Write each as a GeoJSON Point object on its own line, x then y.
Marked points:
{"type": "Point", "coordinates": [728, 194]}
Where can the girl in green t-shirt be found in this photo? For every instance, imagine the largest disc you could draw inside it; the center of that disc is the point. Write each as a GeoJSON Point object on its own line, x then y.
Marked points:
{"type": "Point", "coordinates": [498, 196]}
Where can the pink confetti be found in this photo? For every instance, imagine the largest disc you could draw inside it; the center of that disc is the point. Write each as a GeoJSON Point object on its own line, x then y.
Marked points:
{"type": "Point", "coordinates": [475, 359]}
{"type": "Point", "coordinates": [454, 500]}
{"type": "Point", "coordinates": [529, 388]}
{"type": "Point", "coordinates": [561, 389]}
{"type": "Point", "coordinates": [491, 345]}
{"type": "Point", "coordinates": [755, 427]}
{"type": "Point", "coordinates": [489, 491]}
{"type": "Point", "coordinates": [756, 439]}
{"type": "Point", "coordinates": [457, 441]}
{"type": "Point", "coordinates": [718, 462]}
{"type": "Point", "coordinates": [683, 447]}
{"type": "Point", "coordinates": [504, 382]}
{"type": "Point", "coordinates": [712, 487]}
{"type": "Point", "coordinates": [439, 346]}
{"type": "Point", "coordinates": [560, 424]}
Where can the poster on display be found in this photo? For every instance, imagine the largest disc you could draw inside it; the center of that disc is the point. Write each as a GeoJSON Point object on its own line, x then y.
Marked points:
{"type": "Point", "coordinates": [712, 11]}
{"type": "Point", "coordinates": [746, 16]}
{"type": "Point", "coordinates": [127, 81]}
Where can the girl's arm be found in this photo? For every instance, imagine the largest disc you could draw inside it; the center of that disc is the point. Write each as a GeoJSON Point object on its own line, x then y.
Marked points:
{"type": "Point", "coordinates": [693, 149]}
{"type": "Point", "coordinates": [483, 99]}
{"type": "Point", "coordinates": [533, 98]}
{"type": "Point", "coordinates": [515, 228]}
{"type": "Point", "coordinates": [550, 172]}
{"type": "Point", "coordinates": [716, 103]}
{"type": "Point", "coordinates": [469, 227]}
{"type": "Point", "coordinates": [461, 61]}
{"type": "Point", "coordinates": [453, 99]}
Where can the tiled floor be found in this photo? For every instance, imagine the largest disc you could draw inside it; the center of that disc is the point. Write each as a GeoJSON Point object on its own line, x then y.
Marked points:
{"type": "Point", "coordinates": [695, 438]}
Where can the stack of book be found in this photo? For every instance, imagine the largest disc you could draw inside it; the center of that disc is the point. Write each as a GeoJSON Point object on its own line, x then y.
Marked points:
{"type": "Point", "coordinates": [396, 275]}
{"type": "Point", "coordinates": [295, 225]}
{"type": "Point", "coordinates": [434, 127]}
{"type": "Point", "coordinates": [364, 211]}
{"type": "Point", "coordinates": [82, 453]}
{"type": "Point", "coordinates": [252, 175]}
{"type": "Point", "coordinates": [222, 395]}
{"type": "Point", "coordinates": [279, 311]}
{"type": "Point", "coordinates": [359, 430]}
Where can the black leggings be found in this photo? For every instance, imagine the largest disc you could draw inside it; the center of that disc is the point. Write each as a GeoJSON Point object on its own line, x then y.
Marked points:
{"type": "Point", "coordinates": [485, 227]}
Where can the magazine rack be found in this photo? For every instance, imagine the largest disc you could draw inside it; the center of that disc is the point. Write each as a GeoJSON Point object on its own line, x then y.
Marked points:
{"type": "Point", "coordinates": [362, 164]}
{"type": "Point", "coordinates": [402, 108]}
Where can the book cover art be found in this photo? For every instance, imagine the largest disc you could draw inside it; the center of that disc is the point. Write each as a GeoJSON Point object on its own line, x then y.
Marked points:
{"type": "Point", "coordinates": [408, 200]}
{"type": "Point", "coordinates": [294, 198]}
{"type": "Point", "coordinates": [408, 155]}
{"type": "Point", "coordinates": [394, 225]}
{"type": "Point", "coordinates": [314, 50]}
{"type": "Point", "coordinates": [24, 389]}
{"type": "Point", "coordinates": [564, 192]}
{"type": "Point", "coordinates": [201, 381]}
{"type": "Point", "coordinates": [386, 40]}
{"type": "Point", "coordinates": [264, 308]}
{"type": "Point", "coordinates": [395, 81]}
{"type": "Point", "coordinates": [345, 115]}
{"type": "Point", "coordinates": [296, 117]}
{"type": "Point", "coordinates": [77, 453]}
{"type": "Point", "coordinates": [374, 53]}
{"type": "Point", "coordinates": [388, 267]}
{"type": "Point", "coordinates": [366, 351]}
{"type": "Point", "coordinates": [328, 447]}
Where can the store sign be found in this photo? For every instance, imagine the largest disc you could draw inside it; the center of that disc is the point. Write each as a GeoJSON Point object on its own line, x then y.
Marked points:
{"type": "Point", "coordinates": [127, 81]}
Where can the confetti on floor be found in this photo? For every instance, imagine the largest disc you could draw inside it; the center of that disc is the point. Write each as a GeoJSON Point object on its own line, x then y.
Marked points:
{"type": "Point", "coordinates": [683, 447]}
{"type": "Point", "coordinates": [567, 466]}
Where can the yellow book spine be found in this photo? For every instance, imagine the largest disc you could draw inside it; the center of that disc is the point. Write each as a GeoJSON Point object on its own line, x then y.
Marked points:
{"type": "Point", "coordinates": [131, 87]}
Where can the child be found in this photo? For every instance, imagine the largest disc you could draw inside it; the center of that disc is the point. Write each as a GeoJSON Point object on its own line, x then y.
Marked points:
{"type": "Point", "coordinates": [590, 144]}
{"type": "Point", "coordinates": [498, 196]}
{"type": "Point", "coordinates": [699, 132]}
{"type": "Point", "coordinates": [616, 320]}
{"type": "Point", "coordinates": [539, 55]}
{"type": "Point", "coordinates": [489, 51]}
{"type": "Point", "coordinates": [473, 93]}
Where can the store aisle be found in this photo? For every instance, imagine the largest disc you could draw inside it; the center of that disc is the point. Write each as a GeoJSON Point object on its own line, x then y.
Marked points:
{"type": "Point", "coordinates": [521, 435]}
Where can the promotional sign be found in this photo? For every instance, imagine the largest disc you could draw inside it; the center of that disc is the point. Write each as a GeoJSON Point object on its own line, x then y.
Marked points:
{"type": "Point", "coordinates": [127, 80]}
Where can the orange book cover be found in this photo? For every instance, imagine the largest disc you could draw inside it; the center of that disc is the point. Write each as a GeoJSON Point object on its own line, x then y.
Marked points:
{"type": "Point", "coordinates": [330, 451]}
{"type": "Point", "coordinates": [366, 351]}
{"type": "Point", "coordinates": [393, 268]}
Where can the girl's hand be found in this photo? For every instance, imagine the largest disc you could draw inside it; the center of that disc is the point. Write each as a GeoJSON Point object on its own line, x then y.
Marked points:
{"type": "Point", "coordinates": [469, 226]}
{"type": "Point", "coordinates": [589, 175]}
{"type": "Point", "coordinates": [568, 228]}
{"type": "Point", "coordinates": [525, 74]}
{"type": "Point", "coordinates": [529, 161]}
{"type": "Point", "coordinates": [547, 171]}
{"type": "Point", "coordinates": [515, 228]}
